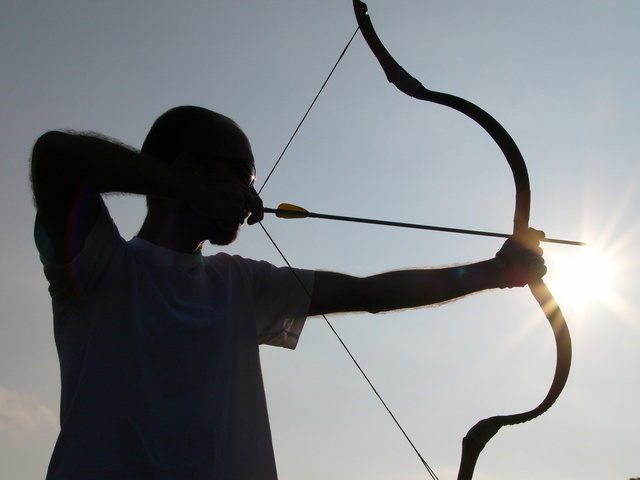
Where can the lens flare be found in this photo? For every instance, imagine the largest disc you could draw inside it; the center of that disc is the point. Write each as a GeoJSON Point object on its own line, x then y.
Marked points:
{"type": "Point", "coordinates": [581, 278]}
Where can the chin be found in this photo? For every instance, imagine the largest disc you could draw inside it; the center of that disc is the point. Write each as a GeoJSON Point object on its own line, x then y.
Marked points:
{"type": "Point", "coordinates": [222, 237]}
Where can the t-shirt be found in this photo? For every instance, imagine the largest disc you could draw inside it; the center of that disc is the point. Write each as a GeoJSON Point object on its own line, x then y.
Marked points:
{"type": "Point", "coordinates": [159, 359]}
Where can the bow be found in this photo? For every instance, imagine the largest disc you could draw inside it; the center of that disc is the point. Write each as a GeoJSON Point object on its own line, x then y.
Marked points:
{"type": "Point", "coordinates": [485, 429]}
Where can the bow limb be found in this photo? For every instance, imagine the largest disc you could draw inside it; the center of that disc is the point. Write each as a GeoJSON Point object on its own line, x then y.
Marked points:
{"type": "Point", "coordinates": [480, 434]}
{"type": "Point", "coordinates": [409, 85]}
{"type": "Point", "coordinates": [483, 431]}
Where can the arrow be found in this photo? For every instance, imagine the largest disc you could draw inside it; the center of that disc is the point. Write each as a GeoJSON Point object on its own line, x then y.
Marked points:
{"type": "Point", "coordinates": [286, 210]}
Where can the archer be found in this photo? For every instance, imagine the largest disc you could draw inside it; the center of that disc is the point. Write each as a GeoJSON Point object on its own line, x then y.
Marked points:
{"type": "Point", "coordinates": [158, 344]}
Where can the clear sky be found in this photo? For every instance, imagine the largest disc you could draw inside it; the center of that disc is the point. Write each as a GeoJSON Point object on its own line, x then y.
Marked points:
{"type": "Point", "coordinates": [561, 76]}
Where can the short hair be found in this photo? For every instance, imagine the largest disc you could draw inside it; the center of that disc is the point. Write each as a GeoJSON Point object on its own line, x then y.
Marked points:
{"type": "Point", "coordinates": [188, 128]}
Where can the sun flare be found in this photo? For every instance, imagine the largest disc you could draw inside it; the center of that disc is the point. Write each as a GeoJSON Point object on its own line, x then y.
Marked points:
{"type": "Point", "coordinates": [582, 277]}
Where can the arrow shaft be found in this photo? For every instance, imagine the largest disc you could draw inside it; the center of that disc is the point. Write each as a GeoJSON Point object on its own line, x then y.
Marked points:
{"type": "Point", "coordinates": [341, 218]}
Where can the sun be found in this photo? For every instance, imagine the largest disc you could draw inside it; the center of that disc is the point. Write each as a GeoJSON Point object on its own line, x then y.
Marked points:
{"type": "Point", "coordinates": [582, 277]}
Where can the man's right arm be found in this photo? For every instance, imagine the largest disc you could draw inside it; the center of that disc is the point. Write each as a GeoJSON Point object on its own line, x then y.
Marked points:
{"type": "Point", "coordinates": [69, 171]}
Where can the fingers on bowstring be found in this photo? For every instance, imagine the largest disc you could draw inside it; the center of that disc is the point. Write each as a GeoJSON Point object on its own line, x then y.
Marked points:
{"type": "Point", "coordinates": [254, 207]}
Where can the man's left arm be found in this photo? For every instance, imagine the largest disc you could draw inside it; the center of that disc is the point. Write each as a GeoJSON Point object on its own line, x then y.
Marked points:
{"type": "Point", "coordinates": [518, 263]}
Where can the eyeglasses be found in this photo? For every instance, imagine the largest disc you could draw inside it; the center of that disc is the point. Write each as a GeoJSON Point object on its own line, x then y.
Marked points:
{"type": "Point", "coordinates": [244, 169]}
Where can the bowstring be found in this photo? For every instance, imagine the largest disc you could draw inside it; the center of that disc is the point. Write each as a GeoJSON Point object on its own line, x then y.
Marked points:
{"type": "Point", "coordinates": [304, 117]}
{"type": "Point", "coordinates": [284, 258]}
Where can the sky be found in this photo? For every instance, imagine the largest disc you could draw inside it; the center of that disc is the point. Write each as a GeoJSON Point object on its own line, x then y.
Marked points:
{"type": "Point", "coordinates": [561, 76]}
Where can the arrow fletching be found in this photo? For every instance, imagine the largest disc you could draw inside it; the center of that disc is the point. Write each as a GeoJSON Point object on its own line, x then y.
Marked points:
{"type": "Point", "coordinates": [287, 210]}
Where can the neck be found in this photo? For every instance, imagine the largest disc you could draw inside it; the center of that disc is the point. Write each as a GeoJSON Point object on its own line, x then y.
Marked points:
{"type": "Point", "coordinates": [170, 231]}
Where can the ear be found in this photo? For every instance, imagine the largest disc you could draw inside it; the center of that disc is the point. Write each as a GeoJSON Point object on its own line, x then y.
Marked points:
{"type": "Point", "coordinates": [187, 162]}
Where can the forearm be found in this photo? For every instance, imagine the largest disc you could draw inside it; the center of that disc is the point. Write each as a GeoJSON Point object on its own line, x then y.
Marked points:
{"type": "Point", "coordinates": [67, 162]}
{"type": "Point", "coordinates": [415, 288]}
{"type": "Point", "coordinates": [397, 290]}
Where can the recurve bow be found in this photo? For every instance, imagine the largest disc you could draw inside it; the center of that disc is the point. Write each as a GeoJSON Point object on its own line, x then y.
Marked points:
{"type": "Point", "coordinates": [485, 429]}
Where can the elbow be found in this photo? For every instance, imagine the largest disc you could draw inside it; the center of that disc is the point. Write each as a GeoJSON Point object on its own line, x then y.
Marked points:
{"type": "Point", "coordinates": [46, 157]}
{"type": "Point", "coordinates": [372, 295]}
{"type": "Point", "coordinates": [49, 146]}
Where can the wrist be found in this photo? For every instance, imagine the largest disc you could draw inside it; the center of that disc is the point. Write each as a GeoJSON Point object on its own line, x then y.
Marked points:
{"type": "Point", "coordinates": [499, 266]}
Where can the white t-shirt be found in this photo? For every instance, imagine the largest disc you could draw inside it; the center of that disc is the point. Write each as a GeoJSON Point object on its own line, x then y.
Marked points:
{"type": "Point", "coordinates": [159, 359]}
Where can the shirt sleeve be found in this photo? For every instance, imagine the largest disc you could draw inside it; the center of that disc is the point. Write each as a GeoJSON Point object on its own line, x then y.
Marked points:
{"type": "Point", "coordinates": [282, 299]}
{"type": "Point", "coordinates": [77, 278]}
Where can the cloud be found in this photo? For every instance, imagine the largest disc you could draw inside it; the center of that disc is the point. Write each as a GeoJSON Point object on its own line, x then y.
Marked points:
{"type": "Point", "coordinates": [23, 415]}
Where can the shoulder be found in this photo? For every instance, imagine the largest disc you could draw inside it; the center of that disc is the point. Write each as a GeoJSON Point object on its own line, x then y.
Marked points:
{"type": "Point", "coordinates": [100, 232]}
{"type": "Point", "coordinates": [85, 269]}
{"type": "Point", "coordinates": [222, 261]}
